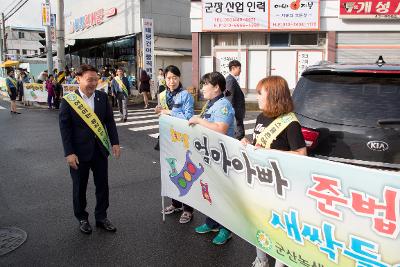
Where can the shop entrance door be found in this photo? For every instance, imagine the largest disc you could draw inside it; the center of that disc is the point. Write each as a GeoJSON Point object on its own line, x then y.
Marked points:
{"type": "Point", "coordinates": [257, 68]}
{"type": "Point", "coordinates": [283, 63]}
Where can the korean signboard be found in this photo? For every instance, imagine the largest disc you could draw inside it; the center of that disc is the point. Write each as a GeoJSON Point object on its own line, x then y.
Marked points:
{"type": "Point", "coordinates": [46, 17]}
{"type": "Point", "coordinates": [91, 19]}
{"type": "Point", "coordinates": [294, 15]}
{"type": "Point", "coordinates": [353, 9]}
{"type": "Point", "coordinates": [235, 15]}
{"type": "Point", "coordinates": [307, 58]}
{"type": "Point", "coordinates": [248, 15]}
{"type": "Point", "coordinates": [148, 46]}
{"type": "Point", "coordinates": [301, 210]}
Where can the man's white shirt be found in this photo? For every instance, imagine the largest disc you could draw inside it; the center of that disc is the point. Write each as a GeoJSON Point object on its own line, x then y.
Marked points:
{"type": "Point", "coordinates": [88, 100]}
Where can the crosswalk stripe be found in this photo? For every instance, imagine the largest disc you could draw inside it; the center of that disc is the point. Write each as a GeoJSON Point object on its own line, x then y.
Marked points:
{"type": "Point", "coordinates": [136, 122]}
{"type": "Point", "coordinates": [136, 110]}
{"type": "Point", "coordinates": [249, 122]}
{"type": "Point", "coordinates": [156, 135]}
{"type": "Point", "coordinates": [138, 113]}
{"type": "Point", "coordinates": [249, 131]}
{"type": "Point", "coordinates": [143, 117]}
{"type": "Point", "coordinates": [144, 128]}
{"type": "Point", "coordinates": [2, 107]}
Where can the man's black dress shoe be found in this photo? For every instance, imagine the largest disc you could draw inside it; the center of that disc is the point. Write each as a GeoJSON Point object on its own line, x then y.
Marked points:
{"type": "Point", "coordinates": [85, 227]}
{"type": "Point", "coordinates": [106, 225]}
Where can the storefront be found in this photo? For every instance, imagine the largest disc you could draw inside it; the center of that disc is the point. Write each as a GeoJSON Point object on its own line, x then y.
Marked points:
{"type": "Point", "coordinates": [283, 37]}
{"type": "Point", "coordinates": [110, 33]}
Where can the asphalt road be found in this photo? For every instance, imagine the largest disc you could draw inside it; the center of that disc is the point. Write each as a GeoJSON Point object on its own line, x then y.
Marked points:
{"type": "Point", "coordinates": [36, 196]}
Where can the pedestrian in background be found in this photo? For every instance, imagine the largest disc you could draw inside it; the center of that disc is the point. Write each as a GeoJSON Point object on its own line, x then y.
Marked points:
{"type": "Point", "coordinates": [42, 77]}
{"type": "Point", "coordinates": [58, 90]}
{"type": "Point", "coordinates": [12, 87]}
{"type": "Point", "coordinates": [120, 87]}
{"type": "Point", "coordinates": [85, 150]}
{"type": "Point", "coordinates": [176, 102]}
{"type": "Point", "coordinates": [161, 81]}
{"type": "Point", "coordinates": [235, 95]}
{"type": "Point", "coordinates": [50, 86]}
{"type": "Point", "coordinates": [23, 80]}
{"type": "Point", "coordinates": [274, 101]}
{"type": "Point", "coordinates": [144, 87]}
{"type": "Point", "coordinates": [217, 115]}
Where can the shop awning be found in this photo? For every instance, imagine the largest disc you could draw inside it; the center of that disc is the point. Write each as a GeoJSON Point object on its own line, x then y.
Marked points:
{"type": "Point", "coordinates": [9, 63]}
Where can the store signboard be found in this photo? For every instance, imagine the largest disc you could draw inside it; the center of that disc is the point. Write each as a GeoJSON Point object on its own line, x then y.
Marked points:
{"type": "Point", "coordinates": [235, 15]}
{"type": "Point", "coordinates": [46, 17]}
{"type": "Point", "coordinates": [306, 58]}
{"type": "Point", "coordinates": [100, 19]}
{"type": "Point", "coordinates": [247, 15]}
{"type": "Point", "coordinates": [294, 15]}
{"type": "Point", "coordinates": [371, 9]}
{"type": "Point", "coordinates": [148, 46]}
{"type": "Point", "coordinates": [225, 56]}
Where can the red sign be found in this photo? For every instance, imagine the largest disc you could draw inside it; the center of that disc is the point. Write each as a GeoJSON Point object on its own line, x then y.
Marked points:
{"type": "Point", "coordinates": [381, 9]}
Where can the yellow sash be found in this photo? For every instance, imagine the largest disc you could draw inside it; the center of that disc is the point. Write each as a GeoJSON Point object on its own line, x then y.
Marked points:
{"type": "Point", "coordinates": [89, 117]}
{"type": "Point", "coordinates": [163, 100]}
{"type": "Point", "coordinates": [14, 82]}
{"type": "Point", "coordinates": [121, 85]}
{"type": "Point", "coordinates": [270, 133]}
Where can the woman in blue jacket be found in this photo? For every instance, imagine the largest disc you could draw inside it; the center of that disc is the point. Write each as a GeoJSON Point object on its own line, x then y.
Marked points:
{"type": "Point", "coordinates": [176, 102]}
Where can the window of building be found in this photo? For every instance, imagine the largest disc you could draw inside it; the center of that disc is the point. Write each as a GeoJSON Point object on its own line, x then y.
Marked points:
{"type": "Point", "coordinates": [205, 45]}
{"type": "Point", "coordinates": [41, 50]}
{"type": "Point", "coordinates": [13, 51]}
{"type": "Point", "coordinates": [230, 39]}
{"type": "Point", "coordinates": [24, 52]}
{"type": "Point", "coordinates": [21, 35]}
{"type": "Point", "coordinates": [254, 38]}
{"type": "Point", "coordinates": [279, 39]}
{"type": "Point", "coordinates": [304, 39]}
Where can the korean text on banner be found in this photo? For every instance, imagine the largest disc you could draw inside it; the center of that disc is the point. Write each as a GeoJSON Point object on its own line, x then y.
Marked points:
{"type": "Point", "coordinates": [301, 210]}
{"type": "Point", "coordinates": [35, 92]}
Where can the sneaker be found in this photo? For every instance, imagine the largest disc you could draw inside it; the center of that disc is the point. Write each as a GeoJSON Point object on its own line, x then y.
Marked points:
{"type": "Point", "coordinates": [186, 217]}
{"type": "Point", "coordinates": [202, 229]}
{"type": "Point", "coordinates": [223, 236]}
{"type": "Point", "coordinates": [260, 263]}
{"type": "Point", "coordinates": [171, 209]}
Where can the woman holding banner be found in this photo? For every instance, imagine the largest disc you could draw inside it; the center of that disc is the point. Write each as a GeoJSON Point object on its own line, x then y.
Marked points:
{"type": "Point", "coordinates": [176, 102]}
{"type": "Point", "coordinates": [276, 104]}
{"type": "Point", "coordinates": [217, 115]}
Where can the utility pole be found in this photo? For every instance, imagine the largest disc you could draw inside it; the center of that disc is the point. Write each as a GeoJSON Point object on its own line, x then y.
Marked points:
{"type": "Point", "coordinates": [60, 35]}
{"type": "Point", "coordinates": [48, 45]}
{"type": "Point", "coordinates": [4, 39]}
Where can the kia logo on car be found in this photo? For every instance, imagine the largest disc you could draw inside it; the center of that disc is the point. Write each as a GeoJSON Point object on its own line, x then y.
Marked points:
{"type": "Point", "coordinates": [378, 145]}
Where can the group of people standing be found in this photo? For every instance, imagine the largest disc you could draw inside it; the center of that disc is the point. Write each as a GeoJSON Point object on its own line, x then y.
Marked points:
{"type": "Point", "coordinates": [224, 112]}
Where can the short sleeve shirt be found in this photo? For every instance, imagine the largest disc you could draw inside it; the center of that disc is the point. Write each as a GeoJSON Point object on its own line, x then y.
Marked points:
{"type": "Point", "coordinates": [290, 139]}
{"type": "Point", "coordinates": [183, 106]}
{"type": "Point", "coordinates": [222, 111]}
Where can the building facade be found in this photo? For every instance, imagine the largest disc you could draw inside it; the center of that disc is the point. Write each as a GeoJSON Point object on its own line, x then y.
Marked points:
{"type": "Point", "coordinates": [282, 37]}
{"type": "Point", "coordinates": [110, 33]}
{"type": "Point", "coordinates": [23, 42]}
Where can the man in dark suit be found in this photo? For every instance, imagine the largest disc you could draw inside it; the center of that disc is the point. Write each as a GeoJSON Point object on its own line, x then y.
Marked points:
{"type": "Point", "coordinates": [84, 151]}
{"type": "Point", "coordinates": [235, 95]}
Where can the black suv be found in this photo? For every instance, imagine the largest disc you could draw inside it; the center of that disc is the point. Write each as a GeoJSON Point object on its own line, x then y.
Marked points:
{"type": "Point", "coordinates": [351, 113]}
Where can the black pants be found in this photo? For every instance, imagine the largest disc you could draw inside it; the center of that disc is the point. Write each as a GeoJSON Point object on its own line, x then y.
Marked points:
{"type": "Point", "coordinates": [99, 166]}
{"type": "Point", "coordinates": [239, 131]}
{"type": "Point", "coordinates": [178, 204]}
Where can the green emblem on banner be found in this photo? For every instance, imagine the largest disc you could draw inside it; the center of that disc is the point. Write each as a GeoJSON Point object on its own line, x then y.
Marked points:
{"type": "Point", "coordinates": [263, 240]}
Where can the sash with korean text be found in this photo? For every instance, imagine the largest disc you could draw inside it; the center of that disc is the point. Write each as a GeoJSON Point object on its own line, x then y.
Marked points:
{"type": "Point", "coordinates": [89, 117]}
{"type": "Point", "coordinates": [121, 85]}
{"type": "Point", "coordinates": [270, 133]}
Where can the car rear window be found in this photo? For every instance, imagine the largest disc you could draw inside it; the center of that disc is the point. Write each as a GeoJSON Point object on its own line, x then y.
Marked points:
{"type": "Point", "coordinates": [349, 100]}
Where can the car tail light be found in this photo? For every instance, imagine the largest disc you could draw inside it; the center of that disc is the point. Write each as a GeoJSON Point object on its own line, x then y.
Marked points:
{"type": "Point", "coordinates": [310, 136]}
